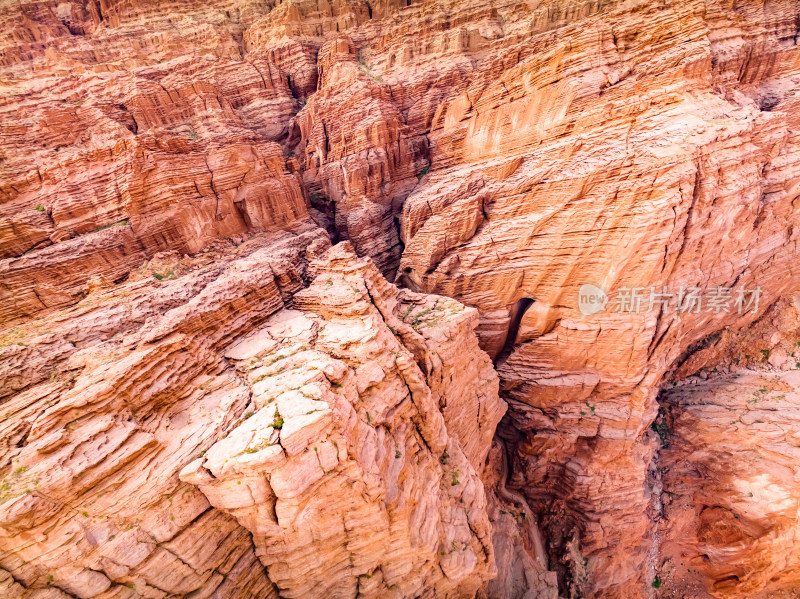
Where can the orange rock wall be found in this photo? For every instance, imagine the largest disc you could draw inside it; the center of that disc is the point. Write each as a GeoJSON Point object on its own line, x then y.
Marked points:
{"type": "Point", "coordinates": [499, 153]}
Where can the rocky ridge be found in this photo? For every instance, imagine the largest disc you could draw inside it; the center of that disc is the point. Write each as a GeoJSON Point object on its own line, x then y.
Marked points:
{"type": "Point", "coordinates": [333, 435]}
{"type": "Point", "coordinates": [501, 154]}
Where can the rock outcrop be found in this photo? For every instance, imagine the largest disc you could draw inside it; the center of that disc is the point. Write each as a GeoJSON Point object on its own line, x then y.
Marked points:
{"type": "Point", "coordinates": [170, 172]}
{"type": "Point", "coordinates": [330, 439]}
{"type": "Point", "coordinates": [130, 130]}
{"type": "Point", "coordinates": [650, 148]}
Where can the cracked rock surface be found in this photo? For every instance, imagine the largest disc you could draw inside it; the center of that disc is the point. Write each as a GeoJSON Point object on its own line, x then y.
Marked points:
{"type": "Point", "coordinates": [233, 432]}
{"type": "Point", "coordinates": [357, 470]}
{"type": "Point", "coordinates": [197, 401]}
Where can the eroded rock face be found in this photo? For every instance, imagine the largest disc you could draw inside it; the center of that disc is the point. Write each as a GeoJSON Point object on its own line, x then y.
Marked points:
{"type": "Point", "coordinates": [499, 153]}
{"type": "Point", "coordinates": [117, 394]}
{"type": "Point", "coordinates": [730, 488]}
{"type": "Point", "coordinates": [130, 130]}
{"type": "Point", "coordinates": [330, 439]}
{"type": "Point", "coordinates": [626, 149]}
{"type": "Point", "coordinates": [358, 469]}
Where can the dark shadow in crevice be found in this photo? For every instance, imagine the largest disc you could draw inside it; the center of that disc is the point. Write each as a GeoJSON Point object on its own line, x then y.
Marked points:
{"type": "Point", "coordinates": [517, 312]}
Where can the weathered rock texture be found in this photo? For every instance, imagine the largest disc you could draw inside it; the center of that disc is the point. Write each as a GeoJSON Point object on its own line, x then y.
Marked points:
{"type": "Point", "coordinates": [729, 473]}
{"type": "Point", "coordinates": [498, 153]}
{"type": "Point", "coordinates": [724, 483]}
{"type": "Point", "coordinates": [358, 469]}
{"type": "Point", "coordinates": [329, 449]}
{"type": "Point", "coordinates": [127, 130]}
{"type": "Point", "coordinates": [636, 147]}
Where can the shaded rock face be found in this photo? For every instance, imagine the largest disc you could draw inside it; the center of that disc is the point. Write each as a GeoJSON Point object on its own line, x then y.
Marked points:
{"type": "Point", "coordinates": [629, 148]}
{"type": "Point", "coordinates": [195, 402]}
{"type": "Point", "coordinates": [732, 521]}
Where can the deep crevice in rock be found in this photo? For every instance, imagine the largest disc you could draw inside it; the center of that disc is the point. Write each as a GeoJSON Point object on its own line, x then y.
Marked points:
{"type": "Point", "coordinates": [517, 313]}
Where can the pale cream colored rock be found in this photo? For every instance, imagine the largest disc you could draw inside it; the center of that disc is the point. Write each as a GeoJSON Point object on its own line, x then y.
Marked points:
{"type": "Point", "coordinates": [367, 478]}
{"type": "Point", "coordinates": [213, 441]}
{"type": "Point", "coordinates": [90, 502]}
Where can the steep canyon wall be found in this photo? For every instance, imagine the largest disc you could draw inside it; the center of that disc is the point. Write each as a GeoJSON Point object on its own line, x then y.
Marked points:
{"type": "Point", "coordinates": [201, 397]}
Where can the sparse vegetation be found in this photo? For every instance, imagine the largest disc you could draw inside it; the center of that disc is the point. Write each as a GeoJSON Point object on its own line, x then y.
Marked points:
{"type": "Point", "coordinates": [758, 395]}
{"type": "Point", "coordinates": [417, 321]}
{"type": "Point", "coordinates": [40, 208]}
{"type": "Point", "coordinates": [120, 223]}
{"type": "Point", "coordinates": [277, 420]}
{"type": "Point", "coordinates": [365, 69]}
{"type": "Point", "coordinates": [168, 276]}
{"type": "Point", "coordinates": [661, 427]}
{"type": "Point", "coordinates": [423, 172]}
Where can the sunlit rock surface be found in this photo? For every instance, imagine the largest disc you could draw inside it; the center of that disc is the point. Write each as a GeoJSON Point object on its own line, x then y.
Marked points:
{"type": "Point", "coordinates": [730, 484]}
{"type": "Point", "coordinates": [170, 170]}
{"type": "Point", "coordinates": [330, 439]}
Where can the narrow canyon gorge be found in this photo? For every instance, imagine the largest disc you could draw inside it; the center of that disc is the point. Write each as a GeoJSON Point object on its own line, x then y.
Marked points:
{"type": "Point", "coordinates": [394, 299]}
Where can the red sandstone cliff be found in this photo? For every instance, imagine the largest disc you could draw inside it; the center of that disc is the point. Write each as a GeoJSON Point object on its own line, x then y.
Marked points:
{"type": "Point", "coordinates": [200, 399]}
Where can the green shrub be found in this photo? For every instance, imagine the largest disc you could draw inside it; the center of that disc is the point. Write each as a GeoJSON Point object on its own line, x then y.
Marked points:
{"type": "Point", "coordinates": [454, 480]}
{"type": "Point", "coordinates": [277, 421]}
{"type": "Point", "coordinates": [656, 583]}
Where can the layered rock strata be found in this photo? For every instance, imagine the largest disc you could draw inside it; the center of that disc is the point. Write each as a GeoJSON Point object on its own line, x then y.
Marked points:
{"type": "Point", "coordinates": [728, 479]}
{"type": "Point", "coordinates": [643, 149]}
{"type": "Point", "coordinates": [330, 439]}
{"type": "Point", "coordinates": [499, 153]}
{"type": "Point", "coordinates": [358, 470]}
{"type": "Point", "coordinates": [130, 130]}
